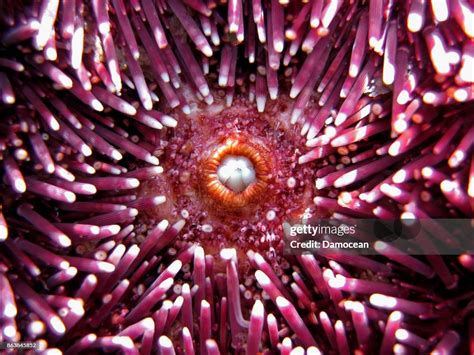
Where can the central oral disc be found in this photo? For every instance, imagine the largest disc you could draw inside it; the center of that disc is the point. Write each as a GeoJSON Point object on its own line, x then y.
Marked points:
{"type": "Point", "coordinates": [236, 172]}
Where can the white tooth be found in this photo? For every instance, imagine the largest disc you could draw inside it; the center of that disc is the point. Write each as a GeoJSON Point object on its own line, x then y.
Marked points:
{"type": "Point", "coordinates": [236, 173]}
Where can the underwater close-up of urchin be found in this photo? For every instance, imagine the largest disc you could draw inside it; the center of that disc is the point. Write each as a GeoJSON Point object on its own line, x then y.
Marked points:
{"type": "Point", "coordinates": [154, 152]}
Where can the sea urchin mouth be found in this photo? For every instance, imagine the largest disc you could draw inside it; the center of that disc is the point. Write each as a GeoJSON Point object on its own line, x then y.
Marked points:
{"type": "Point", "coordinates": [270, 188]}
{"type": "Point", "coordinates": [225, 189]}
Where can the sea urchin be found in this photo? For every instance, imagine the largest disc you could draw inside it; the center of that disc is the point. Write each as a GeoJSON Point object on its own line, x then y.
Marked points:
{"type": "Point", "coordinates": [153, 150]}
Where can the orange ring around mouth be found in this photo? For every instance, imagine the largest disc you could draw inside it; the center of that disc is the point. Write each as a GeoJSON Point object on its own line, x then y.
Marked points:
{"type": "Point", "coordinates": [239, 145]}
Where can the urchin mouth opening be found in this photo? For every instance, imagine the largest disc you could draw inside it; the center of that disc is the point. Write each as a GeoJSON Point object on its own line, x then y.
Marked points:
{"type": "Point", "coordinates": [236, 172]}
